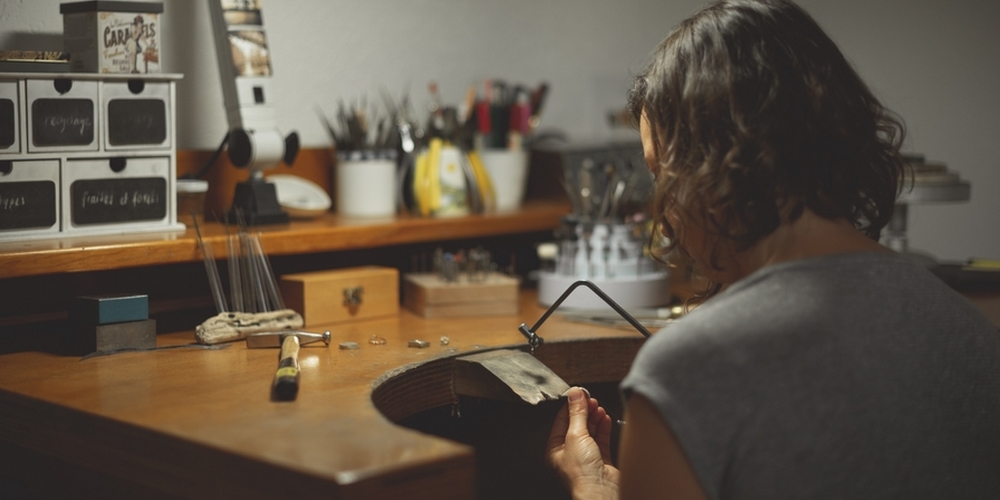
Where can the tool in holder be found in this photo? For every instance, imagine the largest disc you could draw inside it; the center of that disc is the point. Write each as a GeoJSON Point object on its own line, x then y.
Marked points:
{"type": "Point", "coordinates": [605, 239]}
{"type": "Point", "coordinates": [255, 143]}
{"type": "Point", "coordinates": [285, 386]}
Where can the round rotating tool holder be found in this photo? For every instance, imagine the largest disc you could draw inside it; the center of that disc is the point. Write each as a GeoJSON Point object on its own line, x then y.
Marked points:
{"type": "Point", "coordinates": [610, 255]}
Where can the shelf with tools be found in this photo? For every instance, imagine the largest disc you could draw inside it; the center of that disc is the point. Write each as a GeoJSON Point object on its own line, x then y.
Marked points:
{"type": "Point", "coordinates": [542, 211]}
{"type": "Point", "coordinates": [327, 233]}
{"type": "Point", "coordinates": [39, 276]}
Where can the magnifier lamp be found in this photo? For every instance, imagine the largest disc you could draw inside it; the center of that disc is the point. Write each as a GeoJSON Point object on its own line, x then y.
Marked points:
{"type": "Point", "coordinates": [255, 143]}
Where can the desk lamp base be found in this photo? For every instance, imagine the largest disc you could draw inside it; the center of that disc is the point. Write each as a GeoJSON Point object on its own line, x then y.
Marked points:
{"type": "Point", "coordinates": [256, 202]}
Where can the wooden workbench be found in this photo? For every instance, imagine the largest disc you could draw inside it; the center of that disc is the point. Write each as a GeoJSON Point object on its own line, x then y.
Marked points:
{"type": "Point", "coordinates": [200, 423]}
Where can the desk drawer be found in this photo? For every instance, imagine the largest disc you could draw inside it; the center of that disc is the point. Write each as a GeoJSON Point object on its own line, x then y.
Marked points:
{"type": "Point", "coordinates": [116, 192]}
{"type": "Point", "coordinates": [136, 115]}
{"type": "Point", "coordinates": [29, 198]}
{"type": "Point", "coordinates": [10, 118]}
{"type": "Point", "coordinates": [62, 115]}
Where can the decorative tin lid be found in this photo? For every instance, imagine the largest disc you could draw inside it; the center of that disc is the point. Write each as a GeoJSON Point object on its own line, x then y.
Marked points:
{"type": "Point", "coordinates": [105, 6]}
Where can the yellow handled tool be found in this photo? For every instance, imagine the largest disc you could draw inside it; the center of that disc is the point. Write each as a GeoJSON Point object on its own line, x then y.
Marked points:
{"type": "Point", "coordinates": [486, 191]}
{"type": "Point", "coordinates": [434, 174]}
{"type": "Point", "coordinates": [421, 184]}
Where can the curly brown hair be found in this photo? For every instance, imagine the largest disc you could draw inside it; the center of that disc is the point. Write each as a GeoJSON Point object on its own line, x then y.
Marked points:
{"type": "Point", "coordinates": [754, 110]}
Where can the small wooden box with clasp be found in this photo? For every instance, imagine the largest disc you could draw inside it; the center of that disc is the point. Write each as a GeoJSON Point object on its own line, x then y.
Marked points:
{"type": "Point", "coordinates": [341, 295]}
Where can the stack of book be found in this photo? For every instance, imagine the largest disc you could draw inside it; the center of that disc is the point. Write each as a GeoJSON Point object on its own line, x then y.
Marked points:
{"type": "Point", "coordinates": [33, 61]}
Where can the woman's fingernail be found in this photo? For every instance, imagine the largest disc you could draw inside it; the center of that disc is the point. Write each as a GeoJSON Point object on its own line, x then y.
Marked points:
{"type": "Point", "coordinates": [575, 393]}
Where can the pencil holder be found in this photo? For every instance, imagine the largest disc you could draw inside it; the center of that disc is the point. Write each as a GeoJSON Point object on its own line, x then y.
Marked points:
{"type": "Point", "coordinates": [366, 184]}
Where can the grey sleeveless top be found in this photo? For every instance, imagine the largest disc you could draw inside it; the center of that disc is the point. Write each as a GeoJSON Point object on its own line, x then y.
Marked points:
{"type": "Point", "coordinates": [848, 376]}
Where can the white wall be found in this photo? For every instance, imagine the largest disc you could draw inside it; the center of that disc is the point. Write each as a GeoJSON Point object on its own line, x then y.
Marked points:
{"type": "Point", "coordinates": [936, 63]}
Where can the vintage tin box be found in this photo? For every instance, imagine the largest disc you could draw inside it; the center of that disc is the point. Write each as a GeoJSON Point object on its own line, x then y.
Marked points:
{"type": "Point", "coordinates": [112, 37]}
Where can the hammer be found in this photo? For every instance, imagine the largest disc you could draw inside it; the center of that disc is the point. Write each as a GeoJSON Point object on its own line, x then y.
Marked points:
{"type": "Point", "coordinates": [286, 380]}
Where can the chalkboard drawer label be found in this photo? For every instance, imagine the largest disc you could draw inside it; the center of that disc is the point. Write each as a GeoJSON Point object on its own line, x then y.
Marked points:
{"type": "Point", "coordinates": [62, 122]}
{"type": "Point", "coordinates": [10, 118]}
{"type": "Point", "coordinates": [62, 115]}
{"type": "Point", "coordinates": [103, 201]}
{"type": "Point", "coordinates": [29, 196]}
{"type": "Point", "coordinates": [137, 115]}
{"type": "Point", "coordinates": [116, 191]}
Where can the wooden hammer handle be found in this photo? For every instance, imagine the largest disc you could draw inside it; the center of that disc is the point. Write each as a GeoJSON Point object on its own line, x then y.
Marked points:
{"type": "Point", "coordinates": [290, 348]}
{"type": "Point", "coordinates": [286, 379]}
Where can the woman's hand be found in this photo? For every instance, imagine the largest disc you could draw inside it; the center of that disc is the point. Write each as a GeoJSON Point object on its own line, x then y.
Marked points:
{"type": "Point", "coordinates": [579, 447]}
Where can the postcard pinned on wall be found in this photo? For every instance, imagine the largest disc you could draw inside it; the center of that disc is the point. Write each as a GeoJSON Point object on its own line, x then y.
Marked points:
{"type": "Point", "coordinates": [247, 40]}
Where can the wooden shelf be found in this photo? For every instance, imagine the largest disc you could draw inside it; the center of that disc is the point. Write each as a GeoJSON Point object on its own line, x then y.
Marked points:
{"type": "Point", "coordinates": [329, 232]}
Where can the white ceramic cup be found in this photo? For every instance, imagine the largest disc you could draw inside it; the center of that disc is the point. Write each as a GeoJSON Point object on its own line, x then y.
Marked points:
{"type": "Point", "coordinates": [508, 171]}
{"type": "Point", "coordinates": [366, 187]}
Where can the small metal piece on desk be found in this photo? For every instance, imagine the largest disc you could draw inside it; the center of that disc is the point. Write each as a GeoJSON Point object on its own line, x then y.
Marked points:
{"type": "Point", "coordinates": [349, 346]}
{"type": "Point", "coordinates": [445, 340]}
{"type": "Point", "coordinates": [376, 340]}
{"type": "Point", "coordinates": [449, 268]}
{"type": "Point", "coordinates": [479, 263]}
{"type": "Point", "coordinates": [419, 344]}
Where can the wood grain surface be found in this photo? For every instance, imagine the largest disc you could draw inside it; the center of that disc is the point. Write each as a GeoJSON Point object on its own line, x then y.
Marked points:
{"type": "Point", "coordinates": [200, 423]}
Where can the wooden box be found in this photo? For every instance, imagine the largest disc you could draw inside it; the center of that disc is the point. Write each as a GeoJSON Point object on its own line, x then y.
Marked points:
{"type": "Point", "coordinates": [432, 297]}
{"type": "Point", "coordinates": [339, 295]}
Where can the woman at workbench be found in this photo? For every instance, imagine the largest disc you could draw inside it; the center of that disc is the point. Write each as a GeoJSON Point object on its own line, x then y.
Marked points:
{"type": "Point", "coordinates": [822, 365]}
